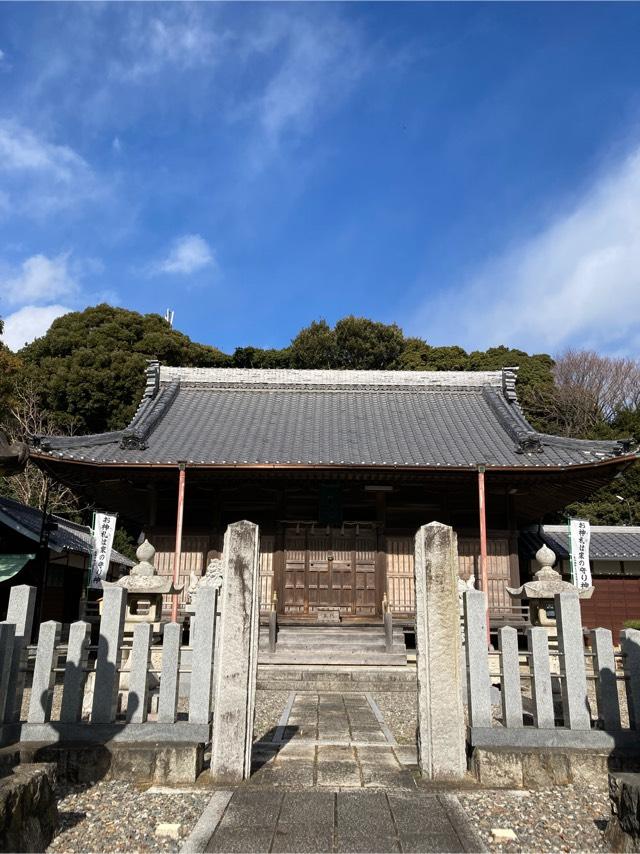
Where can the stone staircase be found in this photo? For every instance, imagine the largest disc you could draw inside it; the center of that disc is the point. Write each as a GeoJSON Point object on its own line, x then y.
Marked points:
{"type": "Point", "coordinates": [351, 645]}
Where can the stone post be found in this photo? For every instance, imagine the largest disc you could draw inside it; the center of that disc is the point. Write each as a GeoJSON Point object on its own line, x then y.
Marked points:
{"type": "Point", "coordinates": [139, 674]}
{"type": "Point", "coordinates": [510, 677]}
{"type": "Point", "coordinates": [236, 670]}
{"type": "Point", "coordinates": [630, 643]}
{"type": "Point", "coordinates": [7, 637]}
{"type": "Point", "coordinates": [170, 675]}
{"type": "Point", "coordinates": [75, 672]}
{"type": "Point", "coordinates": [604, 666]}
{"type": "Point", "coordinates": [441, 737]}
{"type": "Point", "coordinates": [540, 667]}
{"type": "Point", "coordinates": [22, 603]}
{"type": "Point", "coordinates": [107, 681]}
{"type": "Point", "coordinates": [202, 656]}
{"type": "Point", "coordinates": [477, 657]}
{"type": "Point", "coordinates": [575, 703]}
{"type": "Point", "coordinates": [43, 673]}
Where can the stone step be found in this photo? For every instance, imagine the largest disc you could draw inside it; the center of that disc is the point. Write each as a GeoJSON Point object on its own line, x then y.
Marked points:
{"type": "Point", "coordinates": [379, 658]}
{"type": "Point", "coordinates": [333, 643]}
{"type": "Point", "coordinates": [341, 679]}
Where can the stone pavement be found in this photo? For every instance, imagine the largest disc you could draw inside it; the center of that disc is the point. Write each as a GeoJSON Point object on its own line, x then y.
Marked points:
{"type": "Point", "coordinates": [331, 778]}
{"type": "Point", "coordinates": [269, 820]}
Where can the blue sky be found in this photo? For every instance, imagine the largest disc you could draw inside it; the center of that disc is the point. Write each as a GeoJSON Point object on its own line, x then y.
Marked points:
{"type": "Point", "coordinates": [469, 171]}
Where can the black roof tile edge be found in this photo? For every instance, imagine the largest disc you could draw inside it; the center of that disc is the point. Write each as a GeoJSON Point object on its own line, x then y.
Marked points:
{"type": "Point", "coordinates": [147, 417]}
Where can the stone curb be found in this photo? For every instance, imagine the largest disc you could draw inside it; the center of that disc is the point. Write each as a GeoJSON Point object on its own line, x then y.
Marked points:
{"type": "Point", "coordinates": [206, 825]}
{"type": "Point", "coordinates": [468, 835]}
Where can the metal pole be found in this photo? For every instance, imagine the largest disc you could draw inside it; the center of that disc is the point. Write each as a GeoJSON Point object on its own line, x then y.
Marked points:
{"type": "Point", "coordinates": [178, 551]}
{"type": "Point", "coordinates": [484, 566]}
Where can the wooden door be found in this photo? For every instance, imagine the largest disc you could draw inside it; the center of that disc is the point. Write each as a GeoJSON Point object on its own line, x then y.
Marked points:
{"type": "Point", "coordinates": [340, 559]}
{"type": "Point", "coordinates": [318, 575]}
{"type": "Point", "coordinates": [366, 548]}
{"type": "Point", "coordinates": [335, 568]}
{"type": "Point", "coordinates": [294, 572]}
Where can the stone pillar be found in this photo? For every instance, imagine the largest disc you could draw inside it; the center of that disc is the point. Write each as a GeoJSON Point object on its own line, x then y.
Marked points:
{"type": "Point", "coordinates": [539, 664]}
{"type": "Point", "coordinates": [22, 603]}
{"type": "Point", "coordinates": [75, 672]}
{"type": "Point", "coordinates": [236, 669]}
{"type": "Point", "coordinates": [107, 680]}
{"type": "Point", "coordinates": [202, 656]}
{"type": "Point", "coordinates": [139, 674]}
{"type": "Point", "coordinates": [575, 703]}
{"type": "Point", "coordinates": [477, 657]}
{"type": "Point", "coordinates": [7, 636]}
{"type": "Point", "coordinates": [43, 673]}
{"type": "Point", "coordinates": [170, 675]}
{"type": "Point", "coordinates": [604, 666]}
{"type": "Point", "coordinates": [510, 677]}
{"type": "Point", "coordinates": [441, 737]}
{"type": "Point", "coordinates": [630, 643]}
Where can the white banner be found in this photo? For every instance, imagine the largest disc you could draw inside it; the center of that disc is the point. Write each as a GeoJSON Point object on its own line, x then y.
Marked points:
{"type": "Point", "coordinates": [580, 535]}
{"type": "Point", "coordinates": [104, 527]}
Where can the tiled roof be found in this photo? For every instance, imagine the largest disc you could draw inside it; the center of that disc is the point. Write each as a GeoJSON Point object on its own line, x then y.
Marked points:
{"type": "Point", "coordinates": [234, 417]}
{"type": "Point", "coordinates": [608, 542]}
{"type": "Point", "coordinates": [68, 536]}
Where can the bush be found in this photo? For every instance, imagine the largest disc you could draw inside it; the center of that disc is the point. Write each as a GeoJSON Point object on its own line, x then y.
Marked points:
{"type": "Point", "coordinates": [631, 624]}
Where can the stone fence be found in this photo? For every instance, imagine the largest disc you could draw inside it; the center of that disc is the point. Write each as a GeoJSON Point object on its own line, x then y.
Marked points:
{"type": "Point", "coordinates": [570, 696]}
{"type": "Point", "coordinates": [118, 692]}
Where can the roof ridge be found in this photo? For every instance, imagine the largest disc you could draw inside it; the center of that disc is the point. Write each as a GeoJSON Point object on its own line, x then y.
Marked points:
{"type": "Point", "coordinates": [327, 377]}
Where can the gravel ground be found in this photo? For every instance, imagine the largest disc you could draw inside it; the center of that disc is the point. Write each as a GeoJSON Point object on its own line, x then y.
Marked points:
{"type": "Point", "coordinates": [114, 816]}
{"type": "Point", "coordinates": [562, 818]}
{"type": "Point", "coordinates": [400, 712]}
{"type": "Point", "coordinates": [269, 707]}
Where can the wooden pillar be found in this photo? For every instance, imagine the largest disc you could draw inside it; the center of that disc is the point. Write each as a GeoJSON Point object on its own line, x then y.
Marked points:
{"type": "Point", "coordinates": [484, 566]}
{"type": "Point", "coordinates": [178, 552]}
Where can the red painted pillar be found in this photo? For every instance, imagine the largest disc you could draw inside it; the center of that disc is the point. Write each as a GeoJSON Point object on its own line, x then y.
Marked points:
{"type": "Point", "coordinates": [178, 552]}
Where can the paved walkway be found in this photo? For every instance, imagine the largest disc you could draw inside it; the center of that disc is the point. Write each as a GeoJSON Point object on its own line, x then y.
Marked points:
{"type": "Point", "coordinates": [331, 778]}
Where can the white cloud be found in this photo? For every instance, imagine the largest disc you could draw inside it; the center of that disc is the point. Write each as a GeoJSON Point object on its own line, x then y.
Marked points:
{"type": "Point", "coordinates": [39, 279]}
{"type": "Point", "coordinates": [576, 283]}
{"type": "Point", "coordinates": [177, 37]}
{"type": "Point", "coordinates": [30, 322]}
{"type": "Point", "coordinates": [39, 176]}
{"type": "Point", "coordinates": [188, 254]}
{"type": "Point", "coordinates": [321, 61]}
{"type": "Point", "coordinates": [22, 151]}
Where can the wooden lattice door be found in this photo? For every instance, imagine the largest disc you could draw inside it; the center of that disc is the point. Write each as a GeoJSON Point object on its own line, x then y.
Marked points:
{"type": "Point", "coordinates": [335, 568]}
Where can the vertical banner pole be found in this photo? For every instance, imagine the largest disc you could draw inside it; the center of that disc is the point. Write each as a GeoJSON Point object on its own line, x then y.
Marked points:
{"type": "Point", "coordinates": [484, 567]}
{"type": "Point", "coordinates": [178, 552]}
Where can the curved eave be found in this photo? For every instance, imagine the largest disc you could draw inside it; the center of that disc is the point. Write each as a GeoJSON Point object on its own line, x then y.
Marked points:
{"type": "Point", "coordinates": [625, 460]}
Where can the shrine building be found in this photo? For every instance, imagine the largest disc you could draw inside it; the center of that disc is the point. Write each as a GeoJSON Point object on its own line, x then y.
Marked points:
{"type": "Point", "coordinates": [339, 469]}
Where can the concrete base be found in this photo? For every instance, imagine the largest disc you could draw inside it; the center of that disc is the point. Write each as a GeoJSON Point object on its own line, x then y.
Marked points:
{"type": "Point", "coordinates": [533, 768]}
{"type": "Point", "coordinates": [28, 810]}
{"type": "Point", "coordinates": [142, 762]}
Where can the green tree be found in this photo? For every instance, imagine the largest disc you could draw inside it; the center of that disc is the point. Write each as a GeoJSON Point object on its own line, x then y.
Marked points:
{"type": "Point", "coordinates": [314, 347]}
{"type": "Point", "coordinates": [10, 369]}
{"type": "Point", "coordinates": [90, 364]}
{"type": "Point", "coordinates": [355, 343]}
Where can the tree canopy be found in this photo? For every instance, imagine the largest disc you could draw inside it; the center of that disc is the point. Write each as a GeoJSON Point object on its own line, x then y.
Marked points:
{"type": "Point", "coordinates": [89, 367]}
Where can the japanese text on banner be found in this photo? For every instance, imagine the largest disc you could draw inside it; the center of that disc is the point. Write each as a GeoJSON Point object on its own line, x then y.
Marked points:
{"type": "Point", "coordinates": [104, 528]}
{"type": "Point", "coordinates": [580, 532]}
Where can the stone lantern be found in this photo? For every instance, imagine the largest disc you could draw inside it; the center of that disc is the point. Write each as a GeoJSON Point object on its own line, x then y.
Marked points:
{"type": "Point", "coordinates": [145, 589]}
{"type": "Point", "coordinates": [540, 592]}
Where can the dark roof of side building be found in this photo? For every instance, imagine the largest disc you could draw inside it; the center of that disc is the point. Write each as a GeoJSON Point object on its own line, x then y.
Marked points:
{"type": "Point", "coordinates": [66, 537]}
{"type": "Point", "coordinates": [409, 419]}
{"type": "Point", "coordinates": [608, 542]}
